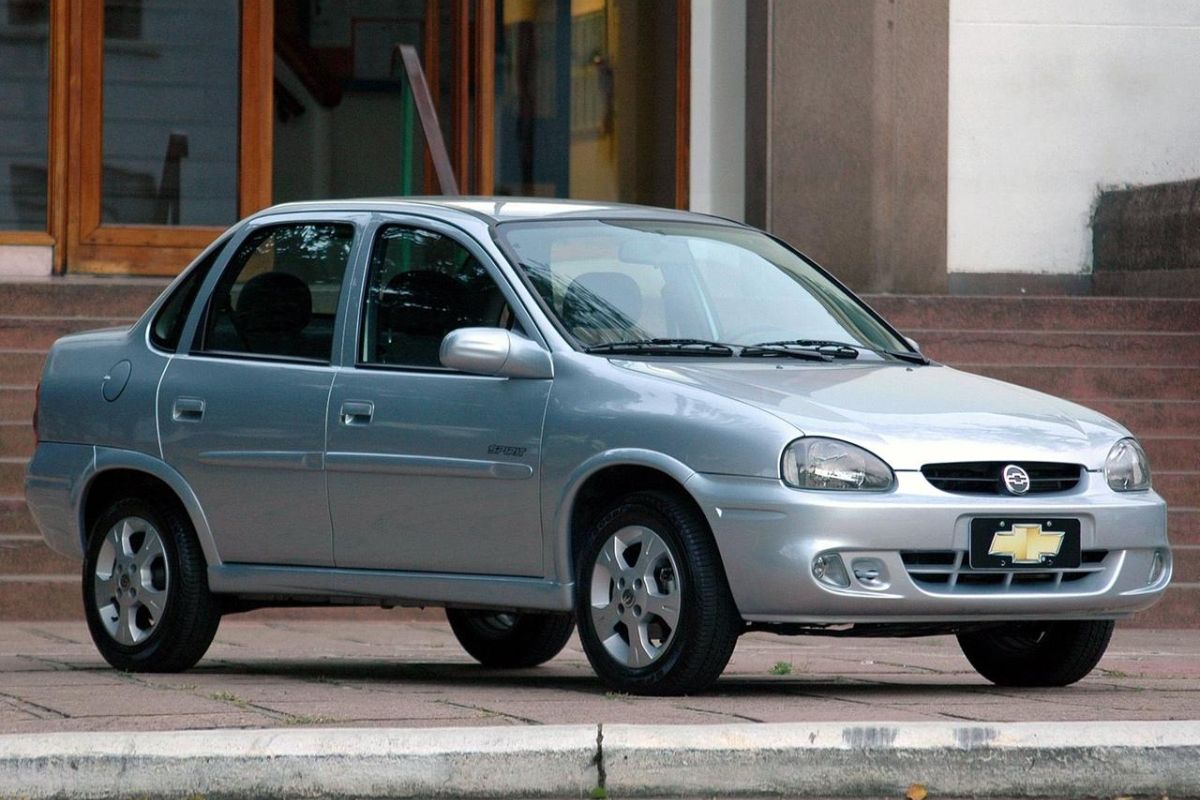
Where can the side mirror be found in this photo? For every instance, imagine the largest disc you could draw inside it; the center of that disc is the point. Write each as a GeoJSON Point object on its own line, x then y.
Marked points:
{"type": "Point", "coordinates": [912, 343]}
{"type": "Point", "coordinates": [495, 351]}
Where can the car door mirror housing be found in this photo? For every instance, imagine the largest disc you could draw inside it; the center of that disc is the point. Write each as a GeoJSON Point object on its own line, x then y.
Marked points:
{"type": "Point", "coordinates": [912, 343]}
{"type": "Point", "coordinates": [495, 351]}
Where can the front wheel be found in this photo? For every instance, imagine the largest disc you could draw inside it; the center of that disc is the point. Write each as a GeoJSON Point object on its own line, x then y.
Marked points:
{"type": "Point", "coordinates": [145, 587]}
{"type": "Point", "coordinates": [509, 640]}
{"type": "Point", "coordinates": [654, 611]}
{"type": "Point", "coordinates": [1037, 653]}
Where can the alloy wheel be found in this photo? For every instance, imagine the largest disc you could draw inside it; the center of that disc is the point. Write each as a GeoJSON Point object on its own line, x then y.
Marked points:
{"type": "Point", "coordinates": [635, 596]}
{"type": "Point", "coordinates": [131, 580]}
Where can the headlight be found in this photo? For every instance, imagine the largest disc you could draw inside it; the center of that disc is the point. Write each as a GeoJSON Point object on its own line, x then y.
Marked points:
{"type": "Point", "coordinates": [1126, 468]}
{"type": "Point", "coordinates": [815, 463]}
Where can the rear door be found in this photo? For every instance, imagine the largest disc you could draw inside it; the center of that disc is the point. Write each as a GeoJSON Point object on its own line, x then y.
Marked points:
{"type": "Point", "coordinates": [241, 413]}
{"type": "Point", "coordinates": [433, 470]}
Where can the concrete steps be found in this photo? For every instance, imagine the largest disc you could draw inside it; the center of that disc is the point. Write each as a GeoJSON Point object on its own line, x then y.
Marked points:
{"type": "Point", "coordinates": [1084, 382]}
{"type": "Point", "coordinates": [41, 332]}
{"type": "Point", "coordinates": [16, 403]}
{"type": "Point", "coordinates": [27, 554]}
{"type": "Point", "coordinates": [21, 366]}
{"type": "Point", "coordinates": [79, 296]}
{"type": "Point", "coordinates": [1022, 313]}
{"type": "Point", "coordinates": [1061, 348]}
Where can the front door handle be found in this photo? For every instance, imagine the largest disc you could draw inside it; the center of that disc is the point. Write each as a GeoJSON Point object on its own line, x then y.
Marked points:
{"type": "Point", "coordinates": [357, 412]}
{"type": "Point", "coordinates": [188, 409]}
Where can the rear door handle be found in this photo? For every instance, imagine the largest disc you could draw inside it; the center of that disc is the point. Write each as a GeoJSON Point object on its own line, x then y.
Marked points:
{"type": "Point", "coordinates": [188, 409]}
{"type": "Point", "coordinates": [357, 412]}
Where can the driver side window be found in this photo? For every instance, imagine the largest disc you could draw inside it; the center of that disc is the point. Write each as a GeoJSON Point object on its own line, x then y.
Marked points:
{"type": "Point", "coordinates": [422, 285]}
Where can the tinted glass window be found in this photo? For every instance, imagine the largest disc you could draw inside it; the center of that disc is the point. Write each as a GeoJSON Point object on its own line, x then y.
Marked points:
{"type": "Point", "coordinates": [422, 286]}
{"type": "Point", "coordinates": [279, 294]}
{"type": "Point", "coordinates": [168, 322]}
{"type": "Point", "coordinates": [626, 280]}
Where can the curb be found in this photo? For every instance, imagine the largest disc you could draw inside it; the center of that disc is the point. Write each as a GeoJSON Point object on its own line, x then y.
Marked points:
{"type": "Point", "coordinates": [819, 759]}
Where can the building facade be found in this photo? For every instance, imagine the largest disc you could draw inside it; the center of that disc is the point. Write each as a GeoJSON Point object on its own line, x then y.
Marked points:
{"type": "Point", "coordinates": [911, 145]}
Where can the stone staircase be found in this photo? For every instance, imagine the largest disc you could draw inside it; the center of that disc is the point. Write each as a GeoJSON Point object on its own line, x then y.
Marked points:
{"type": "Point", "coordinates": [35, 582]}
{"type": "Point", "coordinates": [1133, 359]}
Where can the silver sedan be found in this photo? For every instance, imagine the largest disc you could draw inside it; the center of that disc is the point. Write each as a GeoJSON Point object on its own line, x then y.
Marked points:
{"type": "Point", "coordinates": [662, 428]}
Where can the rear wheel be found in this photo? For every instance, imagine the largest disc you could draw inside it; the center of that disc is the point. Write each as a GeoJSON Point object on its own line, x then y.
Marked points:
{"type": "Point", "coordinates": [654, 610]}
{"type": "Point", "coordinates": [509, 640]}
{"type": "Point", "coordinates": [145, 587]}
{"type": "Point", "coordinates": [1037, 653]}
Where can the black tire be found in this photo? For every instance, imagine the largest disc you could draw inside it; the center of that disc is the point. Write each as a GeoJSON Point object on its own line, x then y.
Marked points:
{"type": "Point", "coordinates": [708, 621]}
{"type": "Point", "coordinates": [190, 614]}
{"type": "Point", "coordinates": [1037, 653]}
{"type": "Point", "coordinates": [510, 640]}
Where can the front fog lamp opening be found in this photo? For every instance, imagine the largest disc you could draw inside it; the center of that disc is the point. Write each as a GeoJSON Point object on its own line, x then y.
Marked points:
{"type": "Point", "coordinates": [1157, 567]}
{"type": "Point", "coordinates": [830, 570]}
{"type": "Point", "coordinates": [1127, 469]}
{"type": "Point", "coordinates": [833, 465]}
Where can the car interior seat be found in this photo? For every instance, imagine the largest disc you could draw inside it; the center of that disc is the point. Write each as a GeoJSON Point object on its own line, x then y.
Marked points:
{"type": "Point", "coordinates": [273, 309]}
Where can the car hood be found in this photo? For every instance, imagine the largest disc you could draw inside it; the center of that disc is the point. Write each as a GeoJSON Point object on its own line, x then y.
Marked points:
{"type": "Point", "coordinates": [907, 415]}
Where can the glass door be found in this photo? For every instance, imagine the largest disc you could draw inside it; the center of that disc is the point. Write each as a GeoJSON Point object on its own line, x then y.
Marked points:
{"type": "Point", "coordinates": [171, 140]}
{"type": "Point", "coordinates": [591, 100]}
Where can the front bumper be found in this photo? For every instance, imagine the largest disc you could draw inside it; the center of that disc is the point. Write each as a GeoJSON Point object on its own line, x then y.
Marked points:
{"type": "Point", "coordinates": [769, 534]}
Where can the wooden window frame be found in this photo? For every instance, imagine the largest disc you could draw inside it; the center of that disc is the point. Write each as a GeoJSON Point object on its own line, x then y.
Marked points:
{"type": "Point", "coordinates": [158, 249]}
{"type": "Point", "coordinates": [49, 234]}
{"type": "Point", "coordinates": [75, 151]}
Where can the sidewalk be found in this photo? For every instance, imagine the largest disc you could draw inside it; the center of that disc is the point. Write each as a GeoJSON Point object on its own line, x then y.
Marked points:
{"type": "Point", "coordinates": [394, 708]}
{"type": "Point", "coordinates": [386, 673]}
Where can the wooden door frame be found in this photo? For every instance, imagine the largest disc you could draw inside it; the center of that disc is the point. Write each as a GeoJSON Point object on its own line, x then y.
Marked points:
{"type": "Point", "coordinates": [51, 231]}
{"type": "Point", "coordinates": [73, 227]}
{"type": "Point", "coordinates": [92, 246]}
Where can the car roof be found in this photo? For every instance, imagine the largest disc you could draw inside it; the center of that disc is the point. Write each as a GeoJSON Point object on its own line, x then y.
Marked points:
{"type": "Point", "coordinates": [501, 209]}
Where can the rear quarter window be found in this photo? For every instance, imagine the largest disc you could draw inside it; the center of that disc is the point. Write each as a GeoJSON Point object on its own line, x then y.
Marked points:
{"type": "Point", "coordinates": [168, 323]}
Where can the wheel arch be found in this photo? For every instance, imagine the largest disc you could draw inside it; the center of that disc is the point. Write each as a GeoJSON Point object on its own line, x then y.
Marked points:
{"type": "Point", "coordinates": [604, 478]}
{"type": "Point", "coordinates": [117, 472]}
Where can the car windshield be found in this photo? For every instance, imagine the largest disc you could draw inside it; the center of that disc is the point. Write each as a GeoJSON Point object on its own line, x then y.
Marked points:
{"type": "Point", "coordinates": [652, 285]}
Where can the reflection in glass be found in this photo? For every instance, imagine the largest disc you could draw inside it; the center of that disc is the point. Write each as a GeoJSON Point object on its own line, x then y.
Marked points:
{"type": "Point", "coordinates": [345, 121]}
{"type": "Point", "coordinates": [24, 113]}
{"type": "Point", "coordinates": [585, 100]}
{"type": "Point", "coordinates": [170, 112]}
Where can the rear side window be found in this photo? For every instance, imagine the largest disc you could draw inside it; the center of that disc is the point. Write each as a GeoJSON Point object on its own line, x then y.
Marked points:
{"type": "Point", "coordinates": [278, 296]}
{"type": "Point", "coordinates": [168, 322]}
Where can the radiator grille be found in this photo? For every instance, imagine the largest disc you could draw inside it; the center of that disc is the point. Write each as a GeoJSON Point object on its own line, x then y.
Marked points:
{"type": "Point", "coordinates": [984, 477]}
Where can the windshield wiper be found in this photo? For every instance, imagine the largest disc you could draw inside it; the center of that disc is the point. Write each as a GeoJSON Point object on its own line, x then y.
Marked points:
{"type": "Point", "coordinates": [785, 349]}
{"type": "Point", "coordinates": [683, 347]}
{"type": "Point", "coordinates": [846, 349]}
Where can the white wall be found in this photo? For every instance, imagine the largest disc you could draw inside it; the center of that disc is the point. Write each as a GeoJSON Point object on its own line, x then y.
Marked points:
{"type": "Point", "coordinates": [1049, 101]}
{"type": "Point", "coordinates": [717, 178]}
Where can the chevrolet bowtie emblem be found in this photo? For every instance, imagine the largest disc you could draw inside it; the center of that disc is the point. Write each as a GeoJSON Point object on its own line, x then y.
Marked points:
{"type": "Point", "coordinates": [1026, 544]}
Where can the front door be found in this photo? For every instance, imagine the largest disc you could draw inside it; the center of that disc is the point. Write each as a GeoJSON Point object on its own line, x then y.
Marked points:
{"type": "Point", "coordinates": [242, 415]}
{"type": "Point", "coordinates": [429, 469]}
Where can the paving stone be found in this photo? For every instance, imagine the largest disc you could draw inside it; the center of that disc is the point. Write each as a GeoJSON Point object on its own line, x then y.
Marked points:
{"type": "Point", "coordinates": [268, 672]}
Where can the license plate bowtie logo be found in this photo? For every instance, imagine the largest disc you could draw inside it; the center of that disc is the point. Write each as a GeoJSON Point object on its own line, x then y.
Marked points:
{"type": "Point", "coordinates": [1026, 544]}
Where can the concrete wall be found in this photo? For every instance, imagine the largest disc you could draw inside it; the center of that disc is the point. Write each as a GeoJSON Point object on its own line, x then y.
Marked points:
{"type": "Point", "coordinates": [717, 169]}
{"type": "Point", "coordinates": [846, 135]}
{"type": "Point", "coordinates": [1048, 102]}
